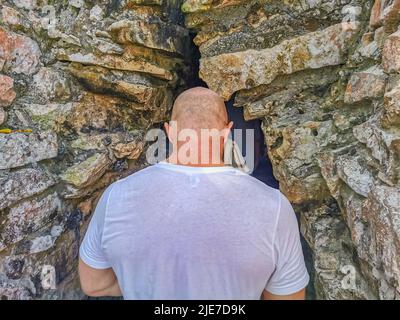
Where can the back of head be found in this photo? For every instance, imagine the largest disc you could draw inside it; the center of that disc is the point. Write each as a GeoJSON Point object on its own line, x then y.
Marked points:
{"type": "Point", "coordinates": [199, 108]}
{"type": "Point", "coordinates": [199, 128]}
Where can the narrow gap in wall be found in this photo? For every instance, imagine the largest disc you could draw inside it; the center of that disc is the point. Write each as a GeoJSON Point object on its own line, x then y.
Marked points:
{"type": "Point", "coordinates": [263, 167]}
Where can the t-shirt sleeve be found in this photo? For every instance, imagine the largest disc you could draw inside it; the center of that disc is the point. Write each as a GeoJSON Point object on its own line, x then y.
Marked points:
{"type": "Point", "coordinates": [91, 251]}
{"type": "Point", "coordinates": [290, 275]}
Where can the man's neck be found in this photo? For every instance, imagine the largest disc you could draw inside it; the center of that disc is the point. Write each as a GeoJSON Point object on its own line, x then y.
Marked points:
{"type": "Point", "coordinates": [173, 159]}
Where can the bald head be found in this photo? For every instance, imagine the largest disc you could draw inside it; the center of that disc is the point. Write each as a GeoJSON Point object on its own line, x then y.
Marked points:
{"type": "Point", "coordinates": [200, 108]}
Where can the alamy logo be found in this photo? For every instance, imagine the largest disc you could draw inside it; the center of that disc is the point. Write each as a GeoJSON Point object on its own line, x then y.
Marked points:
{"type": "Point", "coordinates": [349, 280]}
{"type": "Point", "coordinates": [48, 277]}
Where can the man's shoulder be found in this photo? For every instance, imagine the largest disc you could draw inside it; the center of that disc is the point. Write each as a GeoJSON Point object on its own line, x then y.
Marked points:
{"type": "Point", "coordinates": [137, 177]}
{"type": "Point", "coordinates": [258, 186]}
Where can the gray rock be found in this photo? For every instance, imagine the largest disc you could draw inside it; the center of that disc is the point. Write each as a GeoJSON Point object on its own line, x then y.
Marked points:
{"type": "Point", "coordinates": [23, 183]}
{"type": "Point", "coordinates": [18, 149]}
{"type": "Point", "coordinates": [29, 216]}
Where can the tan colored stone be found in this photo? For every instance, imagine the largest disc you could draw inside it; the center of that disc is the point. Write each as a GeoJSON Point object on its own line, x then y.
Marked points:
{"type": "Point", "coordinates": [248, 69]}
{"type": "Point", "coordinates": [367, 84]}
{"type": "Point", "coordinates": [155, 35]}
{"type": "Point", "coordinates": [126, 62]}
{"type": "Point", "coordinates": [386, 13]}
{"type": "Point", "coordinates": [131, 150]}
{"type": "Point", "coordinates": [87, 172]}
{"type": "Point", "coordinates": [3, 116]}
{"type": "Point", "coordinates": [7, 93]}
{"type": "Point", "coordinates": [86, 207]}
{"type": "Point", "coordinates": [391, 53]}
{"type": "Point", "coordinates": [376, 18]}
{"type": "Point", "coordinates": [391, 110]}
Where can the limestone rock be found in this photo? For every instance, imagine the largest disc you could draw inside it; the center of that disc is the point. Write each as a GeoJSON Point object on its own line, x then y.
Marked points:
{"type": "Point", "coordinates": [126, 62]}
{"type": "Point", "coordinates": [382, 212]}
{"type": "Point", "coordinates": [49, 85]}
{"type": "Point", "coordinates": [18, 53]}
{"type": "Point", "coordinates": [385, 13]}
{"type": "Point", "coordinates": [155, 35]}
{"type": "Point", "coordinates": [368, 84]}
{"type": "Point", "coordinates": [337, 277]}
{"type": "Point", "coordinates": [29, 216]}
{"type": "Point", "coordinates": [325, 88]}
{"type": "Point", "coordinates": [22, 184]}
{"type": "Point", "coordinates": [391, 53]}
{"type": "Point", "coordinates": [131, 150]}
{"type": "Point", "coordinates": [7, 94]}
{"type": "Point", "coordinates": [83, 174]}
{"type": "Point", "coordinates": [126, 85]}
{"type": "Point", "coordinates": [3, 116]}
{"type": "Point", "coordinates": [16, 289]}
{"type": "Point", "coordinates": [391, 111]}
{"type": "Point", "coordinates": [18, 149]}
{"type": "Point", "coordinates": [49, 116]}
{"type": "Point", "coordinates": [244, 70]}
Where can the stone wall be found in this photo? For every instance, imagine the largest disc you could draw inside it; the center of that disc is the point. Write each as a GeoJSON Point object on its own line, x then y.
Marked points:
{"type": "Point", "coordinates": [87, 79]}
{"type": "Point", "coordinates": [323, 76]}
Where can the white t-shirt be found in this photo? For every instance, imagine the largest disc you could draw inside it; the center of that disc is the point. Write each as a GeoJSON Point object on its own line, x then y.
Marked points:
{"type": "Point", "coordinates": [178, 232]}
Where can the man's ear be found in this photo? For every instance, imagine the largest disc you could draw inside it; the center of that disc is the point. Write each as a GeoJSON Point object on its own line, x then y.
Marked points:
{"type": "Point", "coordinates": [227, 130]}
{"type": "Point", "coordinates": [167, 128]}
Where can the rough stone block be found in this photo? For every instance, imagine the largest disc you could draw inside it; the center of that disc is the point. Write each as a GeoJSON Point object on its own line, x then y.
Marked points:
{"type": "Point", "coordinates": [391, 53]}
{"type": "Point", "coordinates": [7, 93]}
{"type": "Point", "coordinates": [83, 174]}
{"type": "Point", "coordinates": [22, 184]}
{"type": "Point", "coordinates": [29, 216]}
{"type": "Point", "coordinates": [248, 69]}
{"type": "Point", "coordinates": [18, 149]}
{"type": "Point", "coordinates": [367, 84]}
{"type": "Point", "coordinates": [18, 53]}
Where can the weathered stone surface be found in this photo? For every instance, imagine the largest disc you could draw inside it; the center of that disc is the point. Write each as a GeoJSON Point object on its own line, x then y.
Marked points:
{"type": "Point", "coordinates": [131, 150]}
{"type": "Point", "coordinates": [128, 61]}
{"type": "Point", "coordinates": [10, 16]}
{"type": "Point", "coordinates": [391, 110]}
{"type": "Point", "coordinates": [244, 70]}
{"type": "Point", "coordinates": [367, 84]}
{"type": "Point", "coordinates": [29, 216]}
{"type": "Point", "coordinates": [3, 116]}
{"type": "Point", "coordinates": [295, 161]}
{"type": "Point", "coordinates": [18, 53]}
{"type": "Point", "coordinates": [86, 172]}
{"type": "Point", "coordinates": [376, 18]}
{"type": "Point", "coordinates": [23, 184]}
{"type": "Point", "coordinates": [49, 116]}
{"type": "Point", "coordinates": [18, 149]}
{"type": "Point", "coordinates": [391, 53]}
{"type": "Point", "coordinates": [337, 277]}
{"type": "Point", "coordinates": [127, 85]}
{"type": "Point", "coordinates": [16, 289]}
{"type": "Point", "coordinates": [382, 211]}
{"type": "Point", "coordinates": [49, 85]}
{"type": "Point", "coordinates": [7, 93]}
{"type": "Point", "coordinates": [155, 35]}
